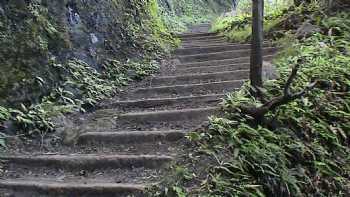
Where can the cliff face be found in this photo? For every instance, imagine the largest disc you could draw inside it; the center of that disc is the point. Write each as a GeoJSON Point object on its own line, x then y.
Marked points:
{"type": "Point", "coordinates": [35, 35]}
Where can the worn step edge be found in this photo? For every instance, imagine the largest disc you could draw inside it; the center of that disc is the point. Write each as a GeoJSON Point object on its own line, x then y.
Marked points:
{"type": "Point", "coordinates": [187, 88]}
{"type": "Point", "coordinates": [89, 161]}
{"type": "Point", "coordinates": [187, 78]}
{"type": "Point", "coordinates": [189, 35]}
{"type": "Point", "coordinates": [202, 38]}
{"type": "Point", "coordinates": [168, 115]}
{"type": "Point", "coordinates": [213, 69]}
{"type": "Point", "coordinates": [210, 49]}
{"type": "Point", "coordinates": [148, 103]}
{"type": "Point", "coordinates": [127, 137]}
{"type": "Point", "coordinates": [223, 55]}
{"type": "Point", "coordinates": [221, 62]}
{"type": "Point", "coordinates": [203, 41]}
{"type": "Point", "coordinates": [70, 188]}
{"type": "Point", "coordinates": [204, 44]}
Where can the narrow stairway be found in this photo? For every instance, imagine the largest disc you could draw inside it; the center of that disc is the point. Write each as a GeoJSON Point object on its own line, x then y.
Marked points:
{"type": "Point", "coordinates": [128, 145]}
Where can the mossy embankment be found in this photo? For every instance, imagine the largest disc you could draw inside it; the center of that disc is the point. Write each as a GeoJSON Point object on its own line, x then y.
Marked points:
{"type": "Point", "coordinates": [66, 56]}
{"type": "Point", "coordinates": [60, 57]}
{"type": "Point", "coordinates": [302, 147]}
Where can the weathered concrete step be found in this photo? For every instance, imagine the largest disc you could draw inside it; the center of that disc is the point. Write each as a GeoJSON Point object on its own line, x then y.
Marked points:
{"type": "Point", "coordinates": [202, 38]}
{"type": "Point", "coordinates": [213, 69]}
{"type": "Point", "coordinates": [211, 49]}
{"type": "Point", "coordinates": [194, 44]}
{"type": "Point", "coordinates": [87, 162]}
{"type": "Point", "coordinates": [200, 78]}
{"type": "Point", "coordinates": [126, 137]}
{"type": "Point", "coordinates": [221, 62]}
{"type": "Point", "coordinates": [35, 187]}
{"type": "Point", "coordinates": [193, 35]}
{"type": "Point", "coordinates": [203, 41]}
{"type": "Point", "coordinates": [223, 55]}
{"type": "Point", "coordinates": [168, 103]}
{"type": "Point", "coordinates": [188, 89]}
{"type": "Point", "coordinates": [168, 115]}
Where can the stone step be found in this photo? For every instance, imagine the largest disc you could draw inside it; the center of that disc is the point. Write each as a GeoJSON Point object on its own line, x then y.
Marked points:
{"type": "Point", "coordinates": [168, 115]}
{"type": "Point", "coordinates": [34, 187]}
{"type": "Point", "coordinates": [88, 162]}
{"type": "Point", "coordinates": [193, 35]}
{"type": "Point", "coordinates": [223, 55]}
{"type": "Point", "coordinates": [211, 49]}
{"type": "Point", "coordinates": [127, 137]}
{"type": "Point", "coordinates": [204, 41]}
{"type": "Point", "coordinates": [220, 62]}
{"type": "Point", "coordinates": [200, 78]}
{"type": "Point", "coordinates": [187, 90]}
{"type": "Point", "coordinates": [202, 38]}
{"type": "Point", "coordinates": [209, 43]}
{"type": "Point", "coordinates": [212, 69]}
{"type": "Point", "coordinates": [166, 103]}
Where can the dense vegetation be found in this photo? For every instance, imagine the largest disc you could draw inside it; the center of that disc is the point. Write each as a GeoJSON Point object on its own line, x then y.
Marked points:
{"type": "Point", "coordinates": [302, 147]}
{"type": "Point", "coordinates": [178, 14]}
{"type": "Point", "coordinates": [65, 56]}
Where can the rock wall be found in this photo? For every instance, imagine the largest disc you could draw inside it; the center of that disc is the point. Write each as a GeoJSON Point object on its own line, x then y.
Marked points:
{"type": "Point", "coordinates": [35, 35]}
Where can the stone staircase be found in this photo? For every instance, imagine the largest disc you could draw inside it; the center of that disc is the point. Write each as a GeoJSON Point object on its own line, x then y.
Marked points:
{"type": "Point", "coordinates": [129, 144]}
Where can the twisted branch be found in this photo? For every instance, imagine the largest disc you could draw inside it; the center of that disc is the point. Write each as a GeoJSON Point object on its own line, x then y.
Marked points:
{"type": "Point", "coordinates": [258, 113]}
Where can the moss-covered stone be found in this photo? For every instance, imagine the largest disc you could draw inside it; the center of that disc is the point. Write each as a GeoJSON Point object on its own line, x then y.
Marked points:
{"type": "Point", "coordinates": [36, 34]}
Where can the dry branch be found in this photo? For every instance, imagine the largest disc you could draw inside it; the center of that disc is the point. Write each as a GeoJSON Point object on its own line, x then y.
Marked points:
{"type": "Point", "coordinates": [258, 113]}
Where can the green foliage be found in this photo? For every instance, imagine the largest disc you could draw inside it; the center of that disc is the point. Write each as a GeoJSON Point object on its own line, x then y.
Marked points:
{"type": "Point", "coordinates": [60, 85]}
{"type": "Point", "coordinates": [238, 28]}
{"type": "Point", "coordinates": [178, 15]}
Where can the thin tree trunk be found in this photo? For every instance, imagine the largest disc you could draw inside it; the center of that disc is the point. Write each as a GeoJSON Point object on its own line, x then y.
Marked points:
{"type": "Point", "coordinates": [256, 60]}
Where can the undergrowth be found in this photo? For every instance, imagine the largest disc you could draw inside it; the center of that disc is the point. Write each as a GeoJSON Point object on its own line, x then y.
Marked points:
{"type": "Point", "coordinates": [303, 150]}
{"type": "Point", "coordinates": [79, 86]}
{"type": "Point", "coordinates": [178, 15]}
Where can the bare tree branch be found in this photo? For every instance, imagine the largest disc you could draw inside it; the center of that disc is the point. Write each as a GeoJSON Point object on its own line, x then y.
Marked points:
{"type": "Point", "coordinates": [258, 113]}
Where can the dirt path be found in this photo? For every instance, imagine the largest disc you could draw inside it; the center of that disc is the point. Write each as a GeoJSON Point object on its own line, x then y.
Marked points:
{"type": "Point", "coordinates": [129, 144]}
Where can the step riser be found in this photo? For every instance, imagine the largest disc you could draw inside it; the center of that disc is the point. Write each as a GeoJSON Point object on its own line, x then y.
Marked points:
{"type": "Point", "coordinates": [202, 38]}
{"type": "Point", "coordinates": [203, 42]}
{"type": "Point", "coordinates": [19, 189]}
{"type": "Point", "coordinates": [200, 50]}
{"type": "Point", "coordinates": [195, 79]}
{"type": "Point", "coordinates": [211, 69]}
{"type": "Point", "coordinates": [169, 102]}
{"type": "Point", "coordinates": [181, 36]}
{"type": "Point", "coordinates": [179, 115]}
{"type": "Point", "coordinates": [213, 43]}
{"type": "Point", "coordinates": [184, 90]}
{"type": "Point", "coordinates": [221, 62]}
{"type": "Point", "coordinates": [129, 137]}
{"type": "Point", "coordinates": [223, 55]}
{"type": "Point", "coordinates": [90, 163]}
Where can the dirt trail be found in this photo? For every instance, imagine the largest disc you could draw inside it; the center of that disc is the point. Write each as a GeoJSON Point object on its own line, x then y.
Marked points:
{"type": "Point", "coordinates": [129, 144]}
